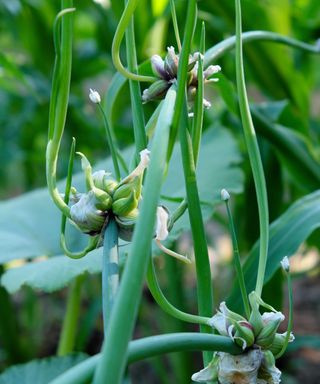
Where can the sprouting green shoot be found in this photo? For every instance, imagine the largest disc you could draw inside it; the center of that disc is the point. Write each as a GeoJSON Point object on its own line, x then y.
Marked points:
{"type": "Point", "coordinates": [290, 319]}
{"type": "Point", "coordinates": [236, 255]}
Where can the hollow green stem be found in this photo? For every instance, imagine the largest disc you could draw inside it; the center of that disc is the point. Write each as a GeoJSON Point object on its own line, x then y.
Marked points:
{"type": "Point", "coordinates": [182, 72]}
{"type": "Point", "coordinates": [290, 319]}
{"type": "Point", "coordinates": [59, 98]}
{"type": "Point", "coordinates": [140, 137]}
{"type": "Point", "coordinates": [175, 24]}
{"type": "Point", "coordinates": [204, 286]}
{"type": "Point", "coordinates": [197, 121]}
{"type": "Point", "coordinates": [237, 263]}
{"type": "Point", "coordinates": [254, 154]}
{"type": "Point", "coordinates": [149, 347]}
{"type": "Point", "coordinates": [196, 128]}
{"type": "Point", "coordinates": [228, 44]}
{"type": "Point", "coordinates": [110, 271]}
{"type": "Point", "coordinates": [165, 305]}
{"type": "Point", "coordinates": [113, 360]}
{"type": "Point", "coordinates": [69, 328]}
{"type": "Point", "coordinates": [93, 241]}
{"type": "Point", "coordinates": [122, 26]}
{"type": "Point", "coordinates": [183, 341]}
{"type": "Point", "coordinates": [112, 144]}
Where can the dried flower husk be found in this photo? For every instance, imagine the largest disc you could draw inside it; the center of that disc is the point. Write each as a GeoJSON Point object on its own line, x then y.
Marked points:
{"type": "Point", "coordinates": [241, 369]}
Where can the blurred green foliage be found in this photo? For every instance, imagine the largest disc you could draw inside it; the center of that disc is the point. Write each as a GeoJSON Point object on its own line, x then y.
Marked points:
{"type": "Point", "coordinates": [26, 61]}
{"type": "Point", "coordinates": [283, 83]}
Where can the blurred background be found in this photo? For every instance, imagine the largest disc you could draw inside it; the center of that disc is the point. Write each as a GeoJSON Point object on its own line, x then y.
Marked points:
{"type": "Point", "coordinates": [284, 87]}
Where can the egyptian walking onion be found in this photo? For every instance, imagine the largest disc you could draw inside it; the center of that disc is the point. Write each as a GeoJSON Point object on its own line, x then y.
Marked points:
{"type": "Point", "coordinates": [259, 339]}
{"type": "Point", "coordinates": [90, 211]}
{"type": "Point", "coordinates": [167, 70]}
{"type": "Point", "coordinates": [105, 197]}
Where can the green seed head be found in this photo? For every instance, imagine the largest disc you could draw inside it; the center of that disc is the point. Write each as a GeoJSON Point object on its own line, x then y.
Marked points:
{"type": "Point", "coordinates": [102, 180]}
{"type": "Point", "coordinates": [271, 324]}
{"type": "Point", "coordinates": [125, 205]}
{"type": "Point", "coordinates": [104, 200]}
{"type": "Point", "coordinates": [244, 335]}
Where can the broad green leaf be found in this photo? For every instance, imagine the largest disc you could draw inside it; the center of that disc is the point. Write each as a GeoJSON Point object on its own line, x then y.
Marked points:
{"type": "Point", "coordinates": [29, 227]}
{"type": "Point", "coordinates": [228, 93]}
{"type": "Point", "coordinates": [272, 109]}
{"type": "Point", "coordinates": [40, 371]}
{"type": "Point", "coordinates": [51, 274]}
{"type": "Point", "coordinates": [218, 168]}
{"type": "Point", "coordinates": [286, 234]}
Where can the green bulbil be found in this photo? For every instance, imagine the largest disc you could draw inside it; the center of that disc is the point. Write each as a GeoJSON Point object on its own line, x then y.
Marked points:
{"type": "Point", "coordinates": [102, 180]}
{"type": "Point", "coordinates": [279, 341]}
{"type": "Point", "coordinates": [104, 200]}
{"type": "Point", "coordinates": [156, 91]}
{"type": "Point", "coordinates": [123, 206]}
{"type": "Point", "coordinates": [267, 334]}
{"type": "Point", "coordinates": [244, 335]}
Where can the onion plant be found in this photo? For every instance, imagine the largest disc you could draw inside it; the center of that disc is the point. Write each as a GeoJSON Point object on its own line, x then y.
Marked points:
{"type": "Point", "coordinates": [124, 204]}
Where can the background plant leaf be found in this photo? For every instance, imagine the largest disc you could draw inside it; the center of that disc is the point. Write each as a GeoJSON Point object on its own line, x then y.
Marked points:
{"type": "Point", "coordinates": [51, 274]}
{"type": "Point", "coordinates": [286, 234]}
{"type": "Point", "coordinates": [40, 371]}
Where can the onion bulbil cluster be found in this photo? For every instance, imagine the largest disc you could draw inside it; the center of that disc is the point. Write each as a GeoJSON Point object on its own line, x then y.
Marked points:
{"type": "Point", "coordinates": [90, 211]}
